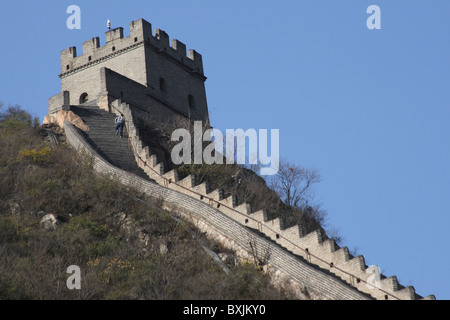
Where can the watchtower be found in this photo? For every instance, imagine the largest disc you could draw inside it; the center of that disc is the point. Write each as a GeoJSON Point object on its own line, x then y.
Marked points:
{"type": "Point", "coordinates": [142, 69]}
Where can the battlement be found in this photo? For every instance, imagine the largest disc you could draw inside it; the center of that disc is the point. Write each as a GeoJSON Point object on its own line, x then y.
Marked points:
{"type": "Point", "coordinates": [313, 247]}
{"type": "Point", "coordinates": [154, 70]}
{"type": "Point", "coordinates": [141, 34]}
{"type": "Point", "coordinates": [156, 77]}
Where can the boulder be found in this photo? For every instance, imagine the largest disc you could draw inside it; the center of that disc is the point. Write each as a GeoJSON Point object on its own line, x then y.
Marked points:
{"type": "Point", "coordinates": [64, 115]}
{"type": "Point", "coordinates": [228, 259]}
{"type": "Point", "coordinates": [49, 222]}
{"type": "Point", "coordinates": [163, 248]}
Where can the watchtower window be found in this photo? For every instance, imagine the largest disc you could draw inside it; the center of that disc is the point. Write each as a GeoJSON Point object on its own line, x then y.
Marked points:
{"type": "Point", "coordinates": [67, 67]}
{"type": "Point", "coordinates": [191, 102]}
{"type": "Point", "coordinates": [84, 98]}
{"type": "Point", "coordinates": [90, 58]}
{"type": "Point", "coordinates": [113, 48]}
{"type": "Point", "coordinates": [162, 85]}
{"type": "Point", "coordinates": [135, 39]}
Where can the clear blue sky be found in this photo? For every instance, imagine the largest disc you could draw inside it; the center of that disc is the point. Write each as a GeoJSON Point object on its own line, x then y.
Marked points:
{"type": "Point", "coordinates": [370, 109]}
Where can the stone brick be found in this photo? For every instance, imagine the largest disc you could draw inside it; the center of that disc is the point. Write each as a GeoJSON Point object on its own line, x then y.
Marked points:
{"type": "Point", "coordinates": [143, 59]}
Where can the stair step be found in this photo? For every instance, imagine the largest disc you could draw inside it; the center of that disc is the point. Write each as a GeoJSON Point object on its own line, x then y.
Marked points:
{"type": "Point", "coordinates": [102, 137]}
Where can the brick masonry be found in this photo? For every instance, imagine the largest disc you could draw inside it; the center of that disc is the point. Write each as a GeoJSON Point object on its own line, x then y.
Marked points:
{"type": "Point", "coordinates": [105, 74]}
{"type": "Point", "coordinates": [167, 73]}
{"type": "Point", "coordinates": [320, 282]}
{"type": "Point", "coordinates": [312, 247]}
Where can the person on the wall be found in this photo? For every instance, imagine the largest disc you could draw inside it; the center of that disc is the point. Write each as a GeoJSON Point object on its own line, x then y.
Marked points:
{"type": "Point", "coordinates": [120, 122]}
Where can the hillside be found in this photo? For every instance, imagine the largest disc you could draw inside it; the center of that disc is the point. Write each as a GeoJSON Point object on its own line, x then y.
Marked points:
{"type": "Point", "coordinates": [126, 246]}
{"type": "Point", "coordinates": [236, 180]}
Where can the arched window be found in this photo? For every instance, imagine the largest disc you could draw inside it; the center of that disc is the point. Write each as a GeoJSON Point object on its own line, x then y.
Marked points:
{"type": "Point", "coordinates": [191, 101]}
{"type": "Point", "coordinates": [84, 98]}
{"type": "Point", "coordinates": [162, 85]}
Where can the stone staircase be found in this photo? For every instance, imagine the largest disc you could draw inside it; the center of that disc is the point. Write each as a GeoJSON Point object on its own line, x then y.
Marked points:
{"type": "Point", "coordinates": [346, 276]}
{"type": "Point", "coordinates": [101, 136]}
{"type": "Point", "coordinates": [230, 233]}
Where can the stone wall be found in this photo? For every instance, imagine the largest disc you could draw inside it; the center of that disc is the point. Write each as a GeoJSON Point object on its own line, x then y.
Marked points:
{"type": "Point", "coordinates": [161, 78]}
{"type": "Point", "coordinates": [88, 79]}
{"type": "Point", "coordinates": [114, 86]}
{"type": "Point", "coordinates": [312, 247]}
{"type": "Point", "coordinates": [323, 284]}
{"type": "Point", "coordinates": [164, 69]}
{"type": "Point", "coordinates": [60, 101]}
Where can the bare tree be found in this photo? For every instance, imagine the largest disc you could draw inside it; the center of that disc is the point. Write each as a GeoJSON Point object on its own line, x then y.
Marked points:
{"type": "Point", "coordinates": [15, 113]}
{"type": "Point", "coordinates": [293, 183]}
{"type": "Point", "coordinates": [260, 255]}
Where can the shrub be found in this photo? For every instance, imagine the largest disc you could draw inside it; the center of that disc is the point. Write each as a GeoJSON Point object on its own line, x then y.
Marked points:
{"type": "Point", "coordinates": [39, 155]}
{"type": "Point", "coordinates": [114, 265]}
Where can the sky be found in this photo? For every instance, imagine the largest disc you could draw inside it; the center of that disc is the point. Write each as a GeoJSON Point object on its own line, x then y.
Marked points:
{"type": "Point", "coordinates": [368, 108]}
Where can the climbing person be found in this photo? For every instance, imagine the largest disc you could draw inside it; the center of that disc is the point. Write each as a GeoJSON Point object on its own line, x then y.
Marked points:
{"type": "Point", "coordinates": [120, 122]}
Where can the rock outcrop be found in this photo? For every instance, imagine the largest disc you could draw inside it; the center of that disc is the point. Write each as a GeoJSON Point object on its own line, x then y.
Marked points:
{"type": "Point", "coordinates": [49, 222]}
{"type": "Point", "coordinates": [63, 115]}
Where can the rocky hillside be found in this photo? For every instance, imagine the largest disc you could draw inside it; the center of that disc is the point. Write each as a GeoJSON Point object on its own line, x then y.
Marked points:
{"type": "Point", "coordinates": [55, 212]}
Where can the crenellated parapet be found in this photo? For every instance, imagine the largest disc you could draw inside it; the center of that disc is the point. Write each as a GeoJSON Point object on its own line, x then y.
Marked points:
{"type": "Point", "coordinates": [145, 68]}
{"type": "Point", "coordinates": [313, 247]}
{"type": "Point", "coordinates": [157, 74]}
{"type": "Point", "coordinates": [141, 34]}
{"type": "Point", "coordinates": [283, 267]}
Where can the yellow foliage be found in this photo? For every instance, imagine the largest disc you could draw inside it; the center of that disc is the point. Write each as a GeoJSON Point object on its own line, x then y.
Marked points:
{"type": "Point", "coordinates": [41, 155]}
{"type": "Point", "coordinates": [93, 263]}
{"type": "Point", "coordinates": [118, 263]}
{"type": "Point", "coordinates": [114, 267]}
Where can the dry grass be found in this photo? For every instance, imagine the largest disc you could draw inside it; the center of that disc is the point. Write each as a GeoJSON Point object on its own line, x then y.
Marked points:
{"type": "Point", "coordinates": [114, 262]}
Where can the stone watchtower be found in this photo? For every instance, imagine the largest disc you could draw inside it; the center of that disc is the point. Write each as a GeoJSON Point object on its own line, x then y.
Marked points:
{"type": "Point", "coordinates": [142, 69]}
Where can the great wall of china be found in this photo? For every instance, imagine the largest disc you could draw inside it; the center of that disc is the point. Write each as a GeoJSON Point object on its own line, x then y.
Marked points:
{"type": "Point", "coordinates": [308, 260]}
